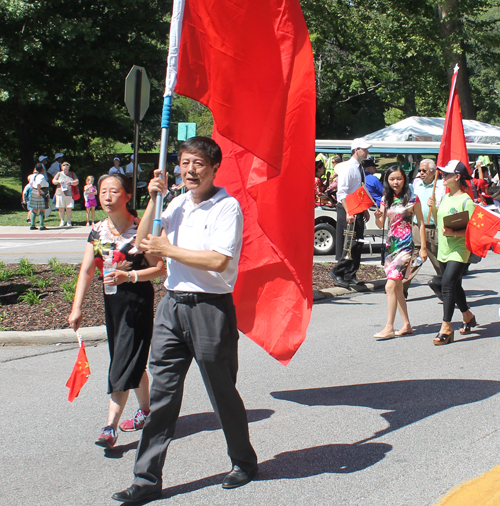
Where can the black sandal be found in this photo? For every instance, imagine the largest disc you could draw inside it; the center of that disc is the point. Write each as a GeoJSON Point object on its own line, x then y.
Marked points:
{"type": "Point", "coordinates": [443, 339]}
{"type": "Point", "coordinates": [466, 327]}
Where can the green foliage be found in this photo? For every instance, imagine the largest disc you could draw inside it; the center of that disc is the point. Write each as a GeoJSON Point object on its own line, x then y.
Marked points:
{"type": "Point", "coordinates": [6, 274]}
{"type": "Point", "coordinates": [26, 268]}
{"type": "Point", "coordinates": [30, 297]}
{"type": "Point", "coordinates": [61, 269]}
{"type": "Point", "coordinates": [42, 283]}
{"type": "Point", "coordinates": [2, 317]}
{"type": "Point", "coordinates": [50, 307]}
{"type": "Point", "coordinates": [69, 289]}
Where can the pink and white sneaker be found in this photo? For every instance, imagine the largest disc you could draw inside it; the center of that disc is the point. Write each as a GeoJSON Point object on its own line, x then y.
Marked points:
{"type": "Point", "coordinates": [136, 422]}
{"type": "Point", "coordinates": [108, 437]}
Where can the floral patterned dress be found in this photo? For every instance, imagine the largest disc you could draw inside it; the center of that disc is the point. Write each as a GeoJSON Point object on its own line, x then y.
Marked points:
{"type": "Point", "coordinates": [399, 245]}
{"type": "Point", "coordinates": [129, 312]}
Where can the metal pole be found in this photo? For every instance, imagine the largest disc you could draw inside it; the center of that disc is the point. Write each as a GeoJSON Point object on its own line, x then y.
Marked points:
{"type": "Point", "coordinates": [137, 120]}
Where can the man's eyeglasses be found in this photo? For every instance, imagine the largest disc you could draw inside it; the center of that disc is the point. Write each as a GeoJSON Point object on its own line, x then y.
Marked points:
{"type": "Point", "coordinates": [423, 171]}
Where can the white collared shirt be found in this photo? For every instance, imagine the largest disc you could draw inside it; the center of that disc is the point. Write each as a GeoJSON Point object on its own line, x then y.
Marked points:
{"type": "Point", "coordinates": [349, 178]}
{"type": "Point", "coordinates": [215, 224]}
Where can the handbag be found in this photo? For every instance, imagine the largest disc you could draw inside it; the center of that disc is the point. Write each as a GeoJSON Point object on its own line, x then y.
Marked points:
{"type": "Point", "coordinates": [75, 191]}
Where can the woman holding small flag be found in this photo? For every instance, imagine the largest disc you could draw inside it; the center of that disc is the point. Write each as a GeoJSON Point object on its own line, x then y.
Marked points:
{"type": "Point", "coordinates": [399, 205]}
{"type": "Point", "coordinates": [128, 302]}
{"type": "Point", "coordinates": [453, 254]}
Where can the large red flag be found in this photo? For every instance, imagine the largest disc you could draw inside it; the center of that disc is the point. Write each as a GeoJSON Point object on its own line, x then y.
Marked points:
{"type": "Point", "coordinates": [481, 230]}
{"type": "Point", "coordinates": [79, 375]}
{"type": "Point", "coordinates": [453, 145]}
{"type": "Point", "coordinates": [251, 63]}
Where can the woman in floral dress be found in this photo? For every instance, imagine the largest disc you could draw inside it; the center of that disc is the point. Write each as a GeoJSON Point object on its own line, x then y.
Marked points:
{"type": "Point", "coordinates": [399, 206]}
{"type": "Point", "coordinates": [129, 311]}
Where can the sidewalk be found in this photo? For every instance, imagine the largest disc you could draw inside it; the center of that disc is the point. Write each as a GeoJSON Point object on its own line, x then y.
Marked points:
{"type": "Point", "coordinates": [24, 232]}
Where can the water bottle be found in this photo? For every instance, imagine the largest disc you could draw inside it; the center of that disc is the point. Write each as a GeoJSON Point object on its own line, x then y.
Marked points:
{"type": "Point", "coordinates": [417, 262]}
{"type": "Point", "coordinates": [108, 268]}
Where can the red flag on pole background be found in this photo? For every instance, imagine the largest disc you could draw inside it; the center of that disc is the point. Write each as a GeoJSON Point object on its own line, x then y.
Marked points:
{"type": "Point", "coordinates": [79, 375]}
{"type": "Point", "coordinates": [359, 200]}
{"type": "Point", "coordinates": [251, 63]}
{"type": "Point", "coordinates": [453, 145]}
{"type": "Point", "coordinates": [481, 230]}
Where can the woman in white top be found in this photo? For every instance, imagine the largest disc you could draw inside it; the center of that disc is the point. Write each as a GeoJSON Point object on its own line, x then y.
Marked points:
{"type": "Point", "coordinates": [64, 180]}
{"type": "Point", "coordinates": [39, 197]}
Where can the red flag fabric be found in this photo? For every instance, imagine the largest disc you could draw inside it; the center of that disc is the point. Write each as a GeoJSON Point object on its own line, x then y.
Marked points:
{"type": "Point", "coordinates": [453, 145]}
{"type": "Point", "coordinates": [251, 63]}
{"type": "Point", "coordinates": [79, 375]}
{"type": "Point", "coordinates": [481, 230]}
{"type": "Point", "coordinates": [358, 201]}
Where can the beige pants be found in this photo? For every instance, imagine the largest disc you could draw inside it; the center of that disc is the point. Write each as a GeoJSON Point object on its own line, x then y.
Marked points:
{"type": "Point", "coordinates": [431, 239]}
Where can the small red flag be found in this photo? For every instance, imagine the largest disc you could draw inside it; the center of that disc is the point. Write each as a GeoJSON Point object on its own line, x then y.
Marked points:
{"type": "Point", "coordinates": [251, 63]}
{"type": "Point", "coordinates": [359, 201]}
{"type": "Point", "coordinates": [481, 230]}
{"type": "Point", "coordinates": [80, 374]}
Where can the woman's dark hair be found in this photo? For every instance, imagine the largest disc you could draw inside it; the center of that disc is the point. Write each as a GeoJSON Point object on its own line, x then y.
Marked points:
{"type": "Point", "coordinates": [40, 168]}
{"type": "Point", "coordinates": [318, 166]}
{"type": "Point", "coordinates": [126, 185]}
{"type": "Point", "coordinates": [204, 146]}
{"type": "Point", "coordinates": [389, 192]}
{"type": "Point", "coordinates": [463, 183]}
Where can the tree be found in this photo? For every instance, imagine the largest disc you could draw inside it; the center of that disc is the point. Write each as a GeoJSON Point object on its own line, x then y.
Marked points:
{"type": "Point", "coordinates": [62, 71]}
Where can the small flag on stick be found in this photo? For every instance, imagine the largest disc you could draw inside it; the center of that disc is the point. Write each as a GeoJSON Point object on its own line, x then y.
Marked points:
{"type": "Point", "coordinates": [359, 201]}
{"type": "Point", "coordinates": [80, 373]}
{"type": "Point", "coordinates": [481, 230]}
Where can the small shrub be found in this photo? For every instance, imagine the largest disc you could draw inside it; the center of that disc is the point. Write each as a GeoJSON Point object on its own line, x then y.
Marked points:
{"type": "Point", "coordinates": [42, 283]}
{"type": "Point", "coordinates": [6, 274]}
{"type": "Point", "coordinates": [49, 308]}
{"type": "Point", "coordinates": [69, 289]}
{"type": "Point", "coordinates": [26, 268]}
{"type": "Point", "coordinates": [30, 297]}
{"type": "Point", "coordinates": [67, 270]}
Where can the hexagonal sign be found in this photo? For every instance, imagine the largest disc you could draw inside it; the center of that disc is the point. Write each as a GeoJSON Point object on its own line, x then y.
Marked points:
{"type": "Point", "coordinates": [137, 79]}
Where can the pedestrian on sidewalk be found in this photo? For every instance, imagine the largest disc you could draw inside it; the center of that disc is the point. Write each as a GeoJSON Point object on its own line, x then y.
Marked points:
{"type": "Point", "coordinates": [399, 206]}
{"type": "Point", "coordinates": [64, 180]}
{"type": "Point", "coordinates": [39, 196]}
{"type": "Point", "coordinates": [201, 239]}
{"type": "Point", "coordinates": [128, 311]}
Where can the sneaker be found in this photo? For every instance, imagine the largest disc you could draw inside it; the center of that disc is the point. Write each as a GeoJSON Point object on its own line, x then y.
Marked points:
{"type": "Point", "coordinates": [87, 224]}
{"type": "Point", "coordinates": [70, 224]}
{"type": "Point", "coordinates": [62, 224]}
{"type": "Point", "coordinates": [43, 228]}
{"type": "Point", "coordinates": [108, 437]}
{"type": "Point", "coordinates": [33, 227]}
{"type": "Point", "coordinates": [136, 422]}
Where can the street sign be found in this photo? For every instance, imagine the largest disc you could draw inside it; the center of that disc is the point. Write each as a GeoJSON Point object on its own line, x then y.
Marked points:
{"type": "Point", "coordinates": [186, 131]}
{"type": "Point", "coordinates": [137, 90]}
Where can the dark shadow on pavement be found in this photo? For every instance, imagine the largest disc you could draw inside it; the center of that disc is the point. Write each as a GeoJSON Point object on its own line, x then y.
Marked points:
{"type": "Point", "coordinates": [188, 425]}
{"type": "Point", "coordinates": [404, 402]}
{"type": "Point", "coordinates": [335, 458]}
{"type": "Point", "coordinates": [479, 332]}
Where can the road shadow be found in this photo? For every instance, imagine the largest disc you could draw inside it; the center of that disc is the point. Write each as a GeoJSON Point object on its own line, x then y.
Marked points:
{"type": "Point", "coordinates": [404, 402]}
{"type": "Point", "coordinates": [304, 463]}
{"type": "Point", "coordinates": [188, 425]}
{"type": "Point", "coordinates": [480, 332]}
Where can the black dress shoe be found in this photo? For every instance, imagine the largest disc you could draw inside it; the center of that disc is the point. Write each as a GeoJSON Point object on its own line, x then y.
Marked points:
{"type": "Point", "coordinates": [237, 477]}
{"type": "Point", "coordinates": [136, 493]}
{"type": "Point", "coordinates": [338, 280]}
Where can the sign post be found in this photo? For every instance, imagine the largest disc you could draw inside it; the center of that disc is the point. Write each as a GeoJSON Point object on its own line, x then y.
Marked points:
{"type": "Point", "coordinates": [137, 91]}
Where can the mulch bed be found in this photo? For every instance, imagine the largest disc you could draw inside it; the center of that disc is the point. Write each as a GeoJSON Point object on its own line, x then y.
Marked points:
{"type": "Point", "coordinates": [53, 310]}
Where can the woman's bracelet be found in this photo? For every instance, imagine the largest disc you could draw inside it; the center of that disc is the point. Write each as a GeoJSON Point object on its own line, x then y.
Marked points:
{"type": "Point", "coordinates": [129, 277]}
{"type": "Point", "coordinates": [136, 277]}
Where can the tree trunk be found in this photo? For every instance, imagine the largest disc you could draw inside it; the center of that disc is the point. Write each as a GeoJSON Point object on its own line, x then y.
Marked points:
{"type": "Point", "coordinates": [450, 30]}
{"type": "Point", "coordinates": [25, 140]}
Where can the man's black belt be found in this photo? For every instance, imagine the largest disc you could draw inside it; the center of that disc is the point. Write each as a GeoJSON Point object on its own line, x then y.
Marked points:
{"type": "Point", "coordinates": [430, 226]}
{"type": "Point", "coordinates": [193, 297]}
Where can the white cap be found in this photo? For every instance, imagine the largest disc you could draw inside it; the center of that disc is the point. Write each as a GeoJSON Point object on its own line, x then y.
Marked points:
{"type": "Point", "coordinates": [132, 157]}
{"type": "Point", "coordinates": [41, 158]}
{"type": "Point", "coordinates": [360, 143]}
{"type": "Point", "coordinates": [59, 155]}
{"type": "Point", "coordinates": [116, 158]}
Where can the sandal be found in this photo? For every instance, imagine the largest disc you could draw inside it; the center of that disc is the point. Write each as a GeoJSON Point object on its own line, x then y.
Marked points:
{"type": "Point", "coordinates": [466, 327]}
{"type": "Point", "coordinates": [443, 339]}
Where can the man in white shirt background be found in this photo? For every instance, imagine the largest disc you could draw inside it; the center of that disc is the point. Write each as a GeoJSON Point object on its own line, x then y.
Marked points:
{"type": "Point", "coordinates": [56, 166]}
{"type": "Point", "coordinates": [350, 177]}
{"type": "Point", "coordinates": [116, 167]}
{"type": "Point", "coordinates": [129, 168]}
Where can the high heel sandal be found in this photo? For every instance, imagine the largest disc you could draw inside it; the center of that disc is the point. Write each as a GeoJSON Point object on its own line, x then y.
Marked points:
{"type": "Point", "coordinates": [443, 339]}
{"type": "Point", "coordinates": [465, 329]}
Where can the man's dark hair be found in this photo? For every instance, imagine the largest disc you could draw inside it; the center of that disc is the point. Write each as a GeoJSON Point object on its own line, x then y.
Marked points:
{"type": "Point", "coordinates": [204, 146]}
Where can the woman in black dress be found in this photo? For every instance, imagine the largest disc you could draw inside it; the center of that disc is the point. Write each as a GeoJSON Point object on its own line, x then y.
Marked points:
{"type": "Point", "coordinates": [129, 311]}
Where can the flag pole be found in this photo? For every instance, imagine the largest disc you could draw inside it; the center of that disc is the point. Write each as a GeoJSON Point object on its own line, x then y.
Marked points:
{"type": "Point", "coordinates": [170, 80]}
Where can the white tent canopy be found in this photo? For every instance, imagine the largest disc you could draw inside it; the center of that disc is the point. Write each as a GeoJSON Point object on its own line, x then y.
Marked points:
{"type": "Point", "coordinates": [416, 128]}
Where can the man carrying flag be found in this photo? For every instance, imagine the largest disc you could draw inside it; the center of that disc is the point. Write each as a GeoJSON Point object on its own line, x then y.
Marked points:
{"type": "Point", "coordinates": [350, 177]}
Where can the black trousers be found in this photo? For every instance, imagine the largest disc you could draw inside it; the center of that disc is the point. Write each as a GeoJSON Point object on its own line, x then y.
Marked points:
{"type": "Point", "coordinates": [346, 269]}
{"type": "Point", "coordinates": [452, 290]}
{"type": "Point", "coordinates": [205, 331]}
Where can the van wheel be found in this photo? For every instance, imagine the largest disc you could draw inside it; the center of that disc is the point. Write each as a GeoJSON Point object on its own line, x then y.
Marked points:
{"type": "Point", "coordinates": [324, 239]}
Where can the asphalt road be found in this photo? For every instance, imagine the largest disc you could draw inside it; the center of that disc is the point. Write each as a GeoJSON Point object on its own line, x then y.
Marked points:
{"type": "Point", "coordinates": [350, 421]}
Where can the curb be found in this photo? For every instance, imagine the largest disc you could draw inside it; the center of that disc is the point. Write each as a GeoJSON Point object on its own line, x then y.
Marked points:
{"type": "Point", "coordinates": [47, 337]}
{"type": "Point", "coordinates": [329, 293]}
